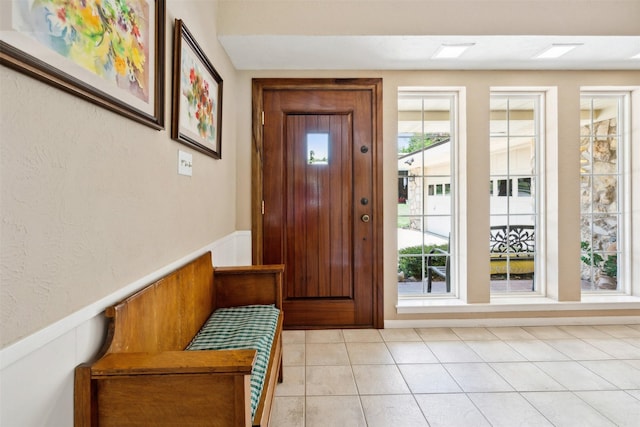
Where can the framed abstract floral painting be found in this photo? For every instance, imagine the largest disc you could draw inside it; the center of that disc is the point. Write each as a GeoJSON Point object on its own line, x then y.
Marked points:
{"type": "Point", "coordinates": [109, 52]}
{"type": "Point", "coordinates": [197, 96]}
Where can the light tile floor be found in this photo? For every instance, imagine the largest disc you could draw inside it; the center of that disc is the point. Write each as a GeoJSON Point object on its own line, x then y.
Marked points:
{"type": "Point", "coordinates": [530, 376]}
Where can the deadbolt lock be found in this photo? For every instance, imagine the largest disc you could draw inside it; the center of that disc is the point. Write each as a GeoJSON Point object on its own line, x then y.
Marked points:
{"type": "Point", "coordinates": [365, 218]}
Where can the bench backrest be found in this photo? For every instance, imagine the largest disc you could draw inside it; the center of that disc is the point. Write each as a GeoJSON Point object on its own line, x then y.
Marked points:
{"type": "Point", "coordinates": [166, 314]}
{"type": "Point", "coordinates": [513, 239]}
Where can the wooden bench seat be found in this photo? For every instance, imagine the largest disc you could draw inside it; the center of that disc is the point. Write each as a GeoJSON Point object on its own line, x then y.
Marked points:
{"type": "Point", "coordinates": [245, 327]}
{"type": "Point", "coordinates": [144, 377]}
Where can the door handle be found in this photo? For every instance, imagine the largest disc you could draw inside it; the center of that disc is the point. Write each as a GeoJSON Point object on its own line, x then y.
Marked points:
{"type": "Point", "coordinates": [365, 218]}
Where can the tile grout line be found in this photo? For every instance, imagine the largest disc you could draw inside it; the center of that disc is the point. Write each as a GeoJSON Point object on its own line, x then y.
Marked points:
{"type": "Point", "coordinates": [579, 335]}
{"type": "Point", "coordinates": [413, 395]}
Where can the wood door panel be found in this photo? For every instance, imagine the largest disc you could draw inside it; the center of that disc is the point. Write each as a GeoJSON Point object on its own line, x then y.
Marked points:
{"type": "Point", "coordinates": [302, 221]}
{"type": "Point", "coordinates": [311, 218]}
{"type": "Point", "coordinates": [318, 227]}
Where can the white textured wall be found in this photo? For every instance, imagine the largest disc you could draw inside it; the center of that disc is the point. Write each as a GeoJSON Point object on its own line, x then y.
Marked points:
{"type": "Point", "coordinates": [91, 201]}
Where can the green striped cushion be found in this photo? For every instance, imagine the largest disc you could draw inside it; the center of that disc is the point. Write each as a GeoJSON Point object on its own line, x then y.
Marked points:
{"type": "Point", "coordinates": [245, 327]}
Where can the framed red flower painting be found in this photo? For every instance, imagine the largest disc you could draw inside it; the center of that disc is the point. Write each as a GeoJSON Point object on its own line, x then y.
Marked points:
{"type": "Point", "coordinates": [197, 96]}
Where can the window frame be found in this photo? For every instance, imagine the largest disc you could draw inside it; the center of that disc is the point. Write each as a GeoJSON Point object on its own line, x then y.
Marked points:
{"type": "Point", "coordinates": [431, 189]}
{"type": "Point", "coordinates": [538, 181]}
{"type": "Point", "coordinates": [623, 193]}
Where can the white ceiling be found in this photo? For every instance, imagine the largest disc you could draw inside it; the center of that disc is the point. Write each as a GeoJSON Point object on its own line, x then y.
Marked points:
{"type": "Point", "coordinates": [395, 52]}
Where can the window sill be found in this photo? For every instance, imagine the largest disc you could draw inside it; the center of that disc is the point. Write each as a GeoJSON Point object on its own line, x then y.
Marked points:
{"type": "Point", "coordinates": [516, 304]}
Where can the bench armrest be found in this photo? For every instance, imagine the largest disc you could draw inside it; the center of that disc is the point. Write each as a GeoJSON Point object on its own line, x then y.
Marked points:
{"type": "Point", "coordinates": [175, 362]}
{"type": "Point", "coordinates": [248, 285]}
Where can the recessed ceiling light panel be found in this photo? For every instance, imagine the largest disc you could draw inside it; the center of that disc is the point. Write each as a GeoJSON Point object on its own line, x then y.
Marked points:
{"type": "Point", "coordinates": [451, 50]}
{"type": "Point", "coordinates": [557, 50]}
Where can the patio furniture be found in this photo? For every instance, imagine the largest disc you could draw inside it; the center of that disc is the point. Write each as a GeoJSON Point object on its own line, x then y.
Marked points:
{"type": "Point", "coordinates": [512, 251]}
{"type": "Point", "coordinates": [439, 270]}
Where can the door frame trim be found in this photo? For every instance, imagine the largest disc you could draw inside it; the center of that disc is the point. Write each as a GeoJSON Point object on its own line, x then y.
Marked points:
{"type": "Point", "coordinates": [374, 85]}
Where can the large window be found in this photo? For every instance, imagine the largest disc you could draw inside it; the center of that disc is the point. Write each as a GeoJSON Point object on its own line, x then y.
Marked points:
{"type": "Point", "coordinates": [528, 216]}
{"type": "Point", "coordinates": [426, 189]}
{"type": "Point", "coordinates": [514, 195]}
{"type": "Point", "coordinates": [602, 165]}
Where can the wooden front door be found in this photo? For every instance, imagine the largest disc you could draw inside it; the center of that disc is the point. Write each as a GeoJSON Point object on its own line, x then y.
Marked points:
{"type": "Point", "coordinates": [318, 198]}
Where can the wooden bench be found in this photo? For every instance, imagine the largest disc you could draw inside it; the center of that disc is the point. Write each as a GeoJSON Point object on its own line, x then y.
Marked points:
{"type": "Point", "coordinates": [511, 252]}
{"type": "Point", "coordinates": [144, 377]}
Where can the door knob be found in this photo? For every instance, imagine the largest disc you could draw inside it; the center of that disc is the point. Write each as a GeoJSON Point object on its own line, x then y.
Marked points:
{"type": "Point", "coordinates": [365, 218]}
